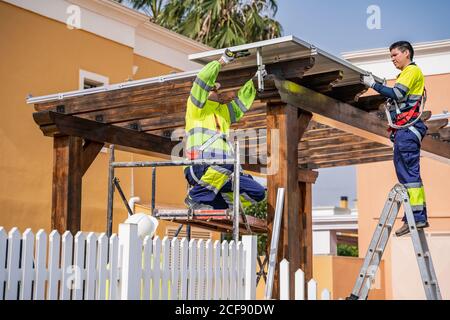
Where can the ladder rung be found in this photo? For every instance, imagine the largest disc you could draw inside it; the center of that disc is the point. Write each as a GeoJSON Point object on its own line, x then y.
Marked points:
{"type": "Point", "coordinates": [399, 195]}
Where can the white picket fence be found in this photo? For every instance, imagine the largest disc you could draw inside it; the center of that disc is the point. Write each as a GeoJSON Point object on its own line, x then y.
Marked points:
{"type": "Point", "coordinates": [299, 283]}
{"type": "Point", "coordinates": [92, 267]}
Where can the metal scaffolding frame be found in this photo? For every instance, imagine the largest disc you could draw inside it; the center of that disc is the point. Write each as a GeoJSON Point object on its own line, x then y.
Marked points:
{"type": "Point", "coordinates": [113, 182]}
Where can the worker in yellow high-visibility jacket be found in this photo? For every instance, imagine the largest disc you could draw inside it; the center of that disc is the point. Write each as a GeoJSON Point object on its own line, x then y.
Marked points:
{"type": "Point", "coordinates": [408, 92]}
{"type": "Point", "coordinates": [208, 123]}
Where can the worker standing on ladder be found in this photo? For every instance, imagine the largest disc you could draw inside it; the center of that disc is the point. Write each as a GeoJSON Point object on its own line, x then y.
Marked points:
{"type": "Point", "coordinates": [408, 95]}
{"type": "Point", "coordinates": [208, 123]}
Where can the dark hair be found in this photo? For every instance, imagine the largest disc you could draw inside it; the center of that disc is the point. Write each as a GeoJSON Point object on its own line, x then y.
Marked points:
{"type": "Point", "coordinates": [403, 46]}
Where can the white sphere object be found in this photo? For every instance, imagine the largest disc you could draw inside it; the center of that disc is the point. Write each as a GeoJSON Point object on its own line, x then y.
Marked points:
{"type": "Point", "coordinates": [146, 224]}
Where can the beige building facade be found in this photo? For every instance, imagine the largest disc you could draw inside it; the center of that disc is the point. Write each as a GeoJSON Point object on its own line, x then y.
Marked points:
{"type": "Point", "coordinates": [42, 54]}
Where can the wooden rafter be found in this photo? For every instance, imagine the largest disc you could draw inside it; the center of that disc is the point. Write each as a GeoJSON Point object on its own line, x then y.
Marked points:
{"type": "Point", "coordinates": [347, 118]}
{"type": "Point", "coordinates": [61, 124]}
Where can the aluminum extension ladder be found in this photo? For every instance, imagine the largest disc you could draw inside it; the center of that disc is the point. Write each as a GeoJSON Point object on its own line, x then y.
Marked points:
{"type": "Point", "coordinates": [397, 196]}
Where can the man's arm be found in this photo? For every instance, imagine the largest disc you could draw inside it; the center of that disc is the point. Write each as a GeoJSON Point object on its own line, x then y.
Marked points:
{"type": "Point", "coordinates": [395, 93]}
{"type": "Point", "coordinates": [398, 92]}
{"type": "Point", "coordinates": [204, 83]}
{"type": "Point", "coordinates": [206, 79]}
{"type": "Point", "coordinates": [244, 100]}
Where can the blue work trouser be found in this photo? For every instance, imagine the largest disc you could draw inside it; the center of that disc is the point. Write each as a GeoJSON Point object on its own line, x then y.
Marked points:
{"type": "Point", "coordinates": [250, 190]}
{"type": "Point", "coordinates": [407, 166]}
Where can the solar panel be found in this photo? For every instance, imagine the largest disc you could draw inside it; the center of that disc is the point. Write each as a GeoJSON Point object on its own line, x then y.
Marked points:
{"type": "Point", "coordinates": [285, 49]}
{"type": "Point", "coordinates": [275, 50]}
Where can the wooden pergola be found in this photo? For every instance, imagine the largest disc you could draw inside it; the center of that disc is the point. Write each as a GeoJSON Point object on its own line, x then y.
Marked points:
{"type": "Point", "coordinates": [313, 100]}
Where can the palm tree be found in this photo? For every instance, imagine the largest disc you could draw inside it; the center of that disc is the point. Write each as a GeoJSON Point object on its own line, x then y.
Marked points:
{"type": "Point", "coordinates": [217, 23]}
{"type": "Point", "coordinates": [150, 7]}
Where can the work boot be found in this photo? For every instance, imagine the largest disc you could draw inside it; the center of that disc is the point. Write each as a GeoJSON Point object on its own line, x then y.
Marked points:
{"type": "Point", "coordinates": [196, 205]}
{"type": "Point", "coordinates": [422, 224]}
{"type": "Point", "coordinates": [404, 229]}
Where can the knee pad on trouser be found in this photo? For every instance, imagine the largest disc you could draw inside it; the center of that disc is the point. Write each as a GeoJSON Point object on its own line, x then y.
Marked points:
{"type": "Point", "coordinates": [245, 200]}
{"type": "Point", "coordinates": [215, 178]}
{"type": "Point", "coordinates": [416, 194]}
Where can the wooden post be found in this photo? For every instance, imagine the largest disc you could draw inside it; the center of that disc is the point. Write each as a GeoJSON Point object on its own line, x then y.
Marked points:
{"type": "Point", "coordinates": [305, 229]}
{"type": "Point", "coordinates": [305, 180]}
{"type": "Point", "coordinates": [71, 160]}
{"type": "Point", "coordinates": [67, 178]}
{"type": "Point", "coordinates": [291, 124]}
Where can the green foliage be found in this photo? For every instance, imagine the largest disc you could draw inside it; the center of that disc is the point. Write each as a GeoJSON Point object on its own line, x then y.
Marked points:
{"type": "Point", "coordinates": [347, 250]}
{"type": "Point", "coordinates": [259, 210]}
{"type": "Point", "coordinates": [217, 23]}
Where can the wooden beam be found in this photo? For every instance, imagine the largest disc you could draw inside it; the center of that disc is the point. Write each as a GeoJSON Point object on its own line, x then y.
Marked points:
{"type": "Point", "coordinates": [321, 82]}
{"type": "Point", "coordinates": [370, 103]}
{"type": "Point", "coordinates": [303, 119]}
{"type": "Point", "coordinates": [155, 96]}
{"type": "Point", "coordinates": [348, 118]}
{"type": "Point", "coordinates": [435, 125]}
{"type": "Point", "coordinates": [336, 140]}
{"type": "Point", "coordinates": [67, 182]}
{"type": "Point", "coordinates": [89, 153]}
{"type": "Point", "coordinates": [177, 119]}
{"type": "Point", "coordinates": [322, 134]}
{"type": "Point", "coordinates": [311, 139]}
{"type": "Point", "coordinates": [104, 133]}
{"type": "Point", "coordinates": [340, 149]}
{"type": "Point", "coordinates": [308, 176]}
{"type": "Point", "coordinates": [304, 175]}
{"type": "Point", "coordinates": [350, 154]}
{"type": "Point", "coordinates": [445, 133]}
{"type": "Point", "coordinates": [426, 115]}
{"type": "Point", "coordinates": [349, 93]}
{"type": "Point", "coordinates": [342, 163]}
{"type": "Point", "coordinates": [286, 120]}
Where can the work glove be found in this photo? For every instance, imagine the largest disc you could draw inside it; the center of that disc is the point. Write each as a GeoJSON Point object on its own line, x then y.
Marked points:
{"type": "Point", "coordinates": [368, 80]}
{"type": "Point", "coordinates": [229, 56]}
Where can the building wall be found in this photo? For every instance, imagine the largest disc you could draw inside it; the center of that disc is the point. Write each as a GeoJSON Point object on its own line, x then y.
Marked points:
{"type": "Point", "coordinates": [338, 275]}
{"type": "Point", "coordinates": [405, 269]}
{"type": "Point", "coordinates": [42, 56]}
{"type": "Point", "coordinates": [375, 180]}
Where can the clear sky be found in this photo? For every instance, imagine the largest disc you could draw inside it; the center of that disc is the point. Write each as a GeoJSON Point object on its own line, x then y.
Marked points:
{"type": "Point", "coordinates": [341, 26]}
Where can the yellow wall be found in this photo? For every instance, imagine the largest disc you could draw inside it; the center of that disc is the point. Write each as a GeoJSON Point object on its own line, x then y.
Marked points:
{"type": "Point", "coordinates": [42, 56]}
{"type": "Point", "coordinates": [339, 274]}
{"type": "Point", "coordinates": [170, 183]}
{"type": "Point", "coordinates": [323, 274]}
{"type": "Point", "coordinates": [375, 180]}
{"type": "Point", "coordinates": [149, 68]}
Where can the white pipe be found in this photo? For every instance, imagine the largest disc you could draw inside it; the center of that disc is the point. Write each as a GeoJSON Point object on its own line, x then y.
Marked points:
{"type": "Point", "coordinates": [132, 178]}
{"type": "Point", "coordinates": [132, 201]}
